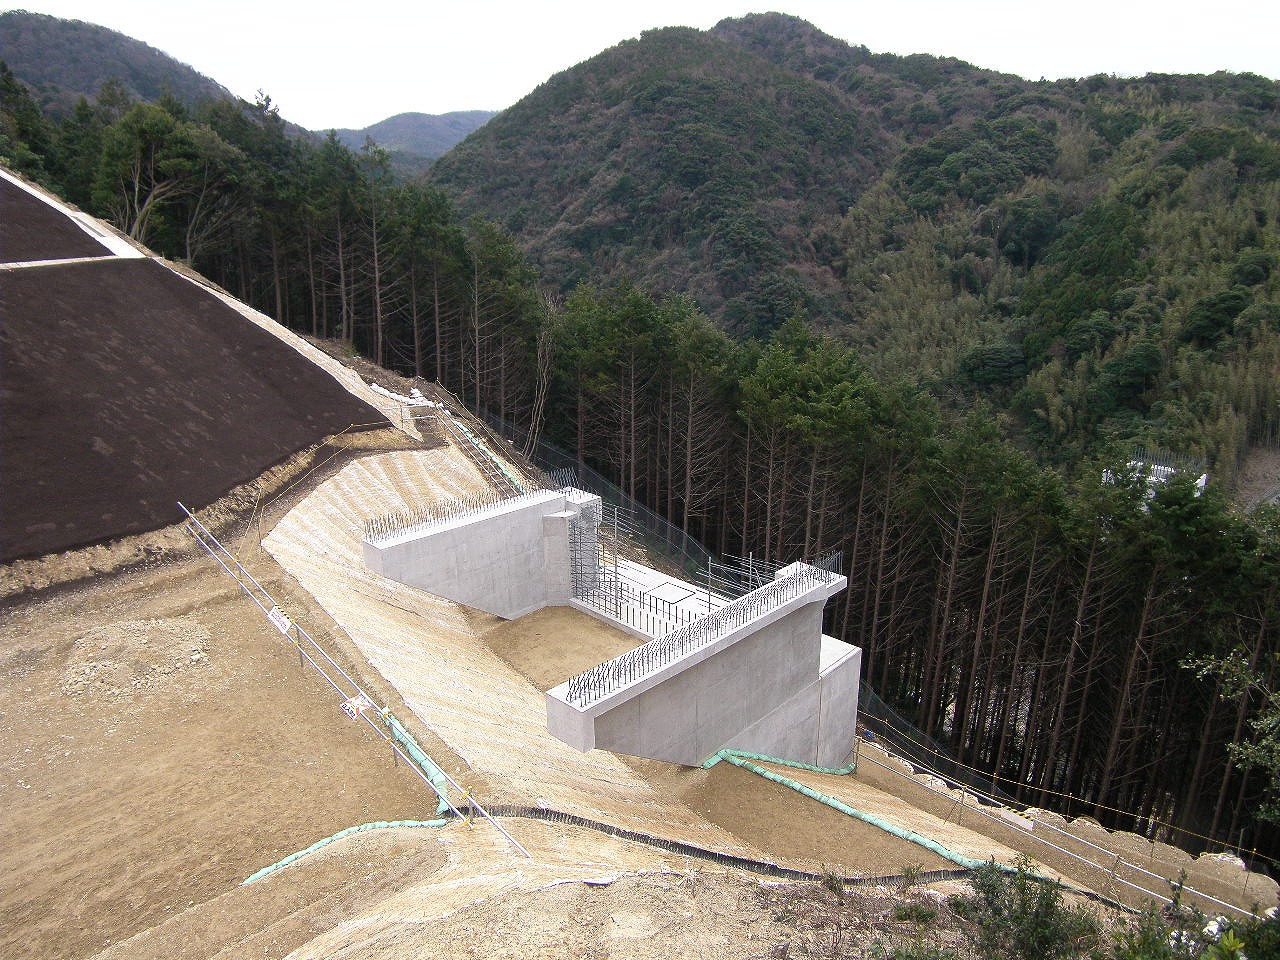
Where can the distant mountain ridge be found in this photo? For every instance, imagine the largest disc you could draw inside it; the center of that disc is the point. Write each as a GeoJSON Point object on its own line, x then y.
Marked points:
{"type": "Point", "coordinates": [764, 168]}
{"type": "Point", "coordinates": [716, 163]}
{"type": "Point", "coordinates": [61, 61]}
{"type": "Point", "coordinates": [419, 134]}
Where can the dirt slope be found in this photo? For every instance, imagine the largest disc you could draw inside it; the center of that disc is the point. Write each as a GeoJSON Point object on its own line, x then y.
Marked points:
{"type": "Point", "coordinates": [125, 387]}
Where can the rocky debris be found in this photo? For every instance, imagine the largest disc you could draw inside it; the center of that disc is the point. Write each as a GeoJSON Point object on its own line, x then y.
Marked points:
{"type": "Point", "coordinates": [118, 659]}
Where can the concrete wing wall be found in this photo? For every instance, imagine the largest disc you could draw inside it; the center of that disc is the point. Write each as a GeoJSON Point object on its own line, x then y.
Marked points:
{"type": "Point", "coordinates": [508, 560]}
{"type": "Point", "coordinates": [775, 686]}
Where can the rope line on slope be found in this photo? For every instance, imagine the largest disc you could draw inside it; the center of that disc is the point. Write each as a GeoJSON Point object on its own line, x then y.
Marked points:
{"type": "Point", "coordinates": [356, 705]}
{"type": "Point", "coordinates": [1112, 870]}
{"type": "Point", "coordinates": [1070, 797]}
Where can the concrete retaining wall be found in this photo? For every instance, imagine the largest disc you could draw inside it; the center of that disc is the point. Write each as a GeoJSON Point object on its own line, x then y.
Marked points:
{"type": "Point", "coordinates": [509, 559]}
{"type": "Point", "coordinates": [775, 686]}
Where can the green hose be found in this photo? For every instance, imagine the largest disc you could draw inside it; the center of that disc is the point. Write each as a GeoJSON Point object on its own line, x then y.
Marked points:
{"type": "Point", "coordinates": [377, 825]}
{"type": "Point", "coordinates": [799, 765]}
{"type": "Point", "coordinates": [419, 756]}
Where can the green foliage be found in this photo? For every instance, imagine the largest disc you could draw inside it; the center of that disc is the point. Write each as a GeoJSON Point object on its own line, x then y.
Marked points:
{"type": "Point", "coordinates": [1177, 933]}
{"type": "Point", "coordinates": [1089, 265]}
{"type": "Point", "coordinates": [1088, 334]}
{"type": "Point", "coordinates": [1251, 155]}
{"type": "Point", "coordinates": [993, 364]}
{"type": "Point", "coordinates": [976, 163]}
{"type": "Point", "coordinates": [1239, 679]}
{"type": "Point", "coordinates": [1016, 916]}
{"type": "Point", "coordinates": [915, 912]}
{"type": "Point", "coordinates": [1029, 224]}
{"type": "Point", "coordinates": [1211, 317]}
{"type": "Point", "coordinates": [1123, 379]}
{"type": "Point", "coordinates": [26, 137]}
{"type": "Point", "coordinates": [1252, 267]}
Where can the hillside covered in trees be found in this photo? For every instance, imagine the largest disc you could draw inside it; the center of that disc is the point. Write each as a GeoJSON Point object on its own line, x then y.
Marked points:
{"type": "Point", "coordinates": [1055, 628]}
{"type": "Point", "coordinates": [1092, 257]}
{"type": "Point", "coordinates": [61, 61]}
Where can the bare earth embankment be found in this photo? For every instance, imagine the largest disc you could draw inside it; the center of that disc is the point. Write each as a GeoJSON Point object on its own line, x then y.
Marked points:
{"type": "Point", "coordinates": [160, 740]}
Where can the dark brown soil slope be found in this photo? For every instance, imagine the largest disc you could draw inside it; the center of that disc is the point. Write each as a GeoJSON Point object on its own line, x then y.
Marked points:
{"type": "Point", "coordinates": [125, 388]}
{"type": "Point", "coordinates": [30, 229]}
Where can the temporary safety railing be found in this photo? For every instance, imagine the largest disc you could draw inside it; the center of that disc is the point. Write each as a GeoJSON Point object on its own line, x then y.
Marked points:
{"type": "Point", "coordinates": [602, 680]}
{"type": "Point", "coordinates": [917, 747]}
{"type": "Point", "coordinates": [356, 704]}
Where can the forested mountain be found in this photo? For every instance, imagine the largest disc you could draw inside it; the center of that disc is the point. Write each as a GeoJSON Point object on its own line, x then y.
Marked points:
{"type": "Point", "coordinates": [64, 60]}
{"type": "Point", "coordinates": [415, 139]}
{"type": "Point", "coordinates": [1092, 257]}
{"type": "Point", "coordinates": [1025, 294]}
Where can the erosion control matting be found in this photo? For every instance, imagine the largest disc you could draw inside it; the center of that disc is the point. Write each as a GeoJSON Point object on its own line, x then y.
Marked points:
{"type": "Point", "coordinates": [125, 388]}
{"type": "Point", "coordinates": [31, 229]}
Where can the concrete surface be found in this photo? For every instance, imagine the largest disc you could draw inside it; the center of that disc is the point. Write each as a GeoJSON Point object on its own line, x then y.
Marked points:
{"type": "Point", "coordinates": [761, 688]}
{"type": "Point", "coordinates": [507, 559]}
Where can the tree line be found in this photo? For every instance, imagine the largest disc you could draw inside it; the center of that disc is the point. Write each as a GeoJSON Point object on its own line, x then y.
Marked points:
{"type": "Point", "coordinates": [1043, 623]}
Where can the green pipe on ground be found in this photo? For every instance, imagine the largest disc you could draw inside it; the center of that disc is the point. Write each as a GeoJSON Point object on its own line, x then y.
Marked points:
{"type": "Point", "coordinates": [419, 757]}
{"type": "Point", "coordinates": [909, 835]}
{"type": "Point", "coordinates": [798, 764]}
{"type": "Point", "coordinates": [376, 825]}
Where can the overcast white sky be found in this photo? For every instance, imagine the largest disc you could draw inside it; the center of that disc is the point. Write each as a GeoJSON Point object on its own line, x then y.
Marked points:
{"type": "Point", "coordinates": [353, 64]}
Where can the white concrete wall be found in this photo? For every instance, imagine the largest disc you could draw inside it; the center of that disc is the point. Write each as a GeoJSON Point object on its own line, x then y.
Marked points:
{"type": "Point", "coordinates": [838, 683]}
{"type": "Point", "coordinates": [508, 560]}
{"type": "Point", "coordinates": [775, 686]}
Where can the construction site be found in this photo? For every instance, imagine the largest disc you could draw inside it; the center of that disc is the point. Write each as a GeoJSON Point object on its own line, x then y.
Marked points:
{"type": "Point", "coordinates": [301, 659]}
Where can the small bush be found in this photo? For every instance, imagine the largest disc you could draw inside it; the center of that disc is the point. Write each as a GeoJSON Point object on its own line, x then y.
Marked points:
{"type": "Point", "coordinates": [833, 882]}
{"type": "Point", "coordinates": [917, 913]}
{"type": "Point", "coordinates": [1017, 916]}
{"type": "Point", "coordinates": [909, 877]}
